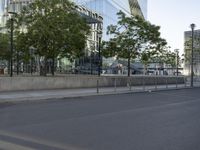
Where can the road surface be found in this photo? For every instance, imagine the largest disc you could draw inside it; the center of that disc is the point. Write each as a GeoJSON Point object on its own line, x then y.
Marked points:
{"type": "Point", "coordinates": [164, 120]}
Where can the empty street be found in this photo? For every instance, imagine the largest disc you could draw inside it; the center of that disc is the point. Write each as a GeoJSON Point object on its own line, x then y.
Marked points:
{"type": "Point", "coordinates": [164, 120]}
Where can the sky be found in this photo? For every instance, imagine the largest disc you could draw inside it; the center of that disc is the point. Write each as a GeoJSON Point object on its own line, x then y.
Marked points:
{"type": "Point", "coordinates": [174, 17]}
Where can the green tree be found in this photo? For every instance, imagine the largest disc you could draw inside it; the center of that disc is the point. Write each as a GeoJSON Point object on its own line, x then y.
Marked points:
{"type": "Point", "coordinates": [152, 52]}
{"type": "Point", "coordinates": [4, 47]}
{"type": "Point", "coordinates": [22, 49]}
{"type": "Point", "coordinates": [170, 58]}
{"type": "Point", "coordinates": [54, 28]}
{"type": "Point", "coordinates": [129, 37]}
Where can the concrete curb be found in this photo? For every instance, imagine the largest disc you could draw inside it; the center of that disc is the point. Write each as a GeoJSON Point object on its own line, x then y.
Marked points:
{"type": "Point", "coordinates": [57, 97]}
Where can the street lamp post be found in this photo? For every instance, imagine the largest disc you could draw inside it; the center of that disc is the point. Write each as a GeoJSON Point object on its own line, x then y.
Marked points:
{"type": "Point", "coordinates": [129, 63]}
{"type": "Point", "coordinates": [192, 55]}
{"type": "Point", "coordinates": [92, 57]}
{"type": "Point", "coordinates": [177, 60]}
{"type": "Point", "coordinates": [11, 47]}
{"type": "Point", "coordinates": [11, 42]}
{"type": "Point", "coordinates": [99, 53]}
{"type": "Point", "coordinates": [17, 62]}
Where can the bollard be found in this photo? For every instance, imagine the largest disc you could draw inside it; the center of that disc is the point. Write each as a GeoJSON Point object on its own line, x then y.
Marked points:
{"type": "Point", "coordinates": [130, 85]}
{"type": "Point", "coordinates": [97, 86]}
{"type": "Point", "coordinates": [143, 83]}
{"type": "Point", "coordinates": [156, 83]}
{"type": "Point", "coordinates": [115, 85]}
{"type": "Point", "coordinates": [185, 81]}
{"type": "Point", "coordinates": [176, 81]}
{"type": "Point", "coordinates": [166, 83]}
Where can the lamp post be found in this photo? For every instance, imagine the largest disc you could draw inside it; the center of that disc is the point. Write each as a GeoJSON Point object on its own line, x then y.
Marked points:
{"type": "Point", "coordinates": [129, 63]}
{"type": "Point", "coordinates": [92, 57]}
{"type": "Point", "coordinates": [177, 60]}
{"type": "Point", "coordinates": [11, 42]}
{"type": "Point", "coordinates": [99, 53]}
{"type": "Point", "coordinates": [17, 62]}
{"type": "Point", "coordinates": [192, 55]}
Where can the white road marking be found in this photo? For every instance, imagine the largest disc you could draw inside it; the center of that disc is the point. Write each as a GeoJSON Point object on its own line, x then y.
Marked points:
{"type": "Point", "coordinates": [35, 140]}
{"type": "Point", "coordinates": [11, 146]}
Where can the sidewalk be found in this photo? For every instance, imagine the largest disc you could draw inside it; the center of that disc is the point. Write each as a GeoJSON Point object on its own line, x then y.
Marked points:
{"type": "Point", "coordinates": [35, 95]}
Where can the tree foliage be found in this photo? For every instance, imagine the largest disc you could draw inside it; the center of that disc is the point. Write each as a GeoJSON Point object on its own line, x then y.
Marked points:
{"type": "Point", "coordinates": [170, 58]}
{"type": "Point", "coordinates": [154, 53]}
{"type": "Point", "coordinates": [4, 46]}
{"type": "Point", "coordinates": [53, 28]}
{"type": "Point", "coordinates": [133, 37]}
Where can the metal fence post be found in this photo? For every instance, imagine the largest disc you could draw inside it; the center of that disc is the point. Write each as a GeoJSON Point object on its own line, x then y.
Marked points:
{"type": "Point", "coordinates": [185, 81]}
{"type": "Point", "coordinates": [97, 86]}
{"type": "Point", "coordinates": [115, 85]}
{"type": "Point", "coordinates": [156, 83]}
{"type": "Point", "coordinates": [130, 85]}
{"type": "Point", "coordinates": [143, 83]}
{"type": "Point", "coordinates": [166, 83]}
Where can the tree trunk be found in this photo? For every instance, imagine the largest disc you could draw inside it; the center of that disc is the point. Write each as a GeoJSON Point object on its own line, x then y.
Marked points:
{"type": "Point", "coordinates": [145, 69]}
{"type": "Point", "coordinates": [43, 68]}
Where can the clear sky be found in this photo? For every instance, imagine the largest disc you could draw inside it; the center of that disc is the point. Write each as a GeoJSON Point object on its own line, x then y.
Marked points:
{"type": "Point", "coordinates": [174, 17]}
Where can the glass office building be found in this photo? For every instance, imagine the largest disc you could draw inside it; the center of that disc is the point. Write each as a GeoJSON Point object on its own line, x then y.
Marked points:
{"type": "Point", "coordinates": [187, 52]}
{"type": "Point", "coordinates": [143, 7]}
{"type": "Point", "coordinates": [106, 9]}
{"type": "Point", "coordinates": [109, 8]}
{"type": "Point", "coordinates": [3, 7]}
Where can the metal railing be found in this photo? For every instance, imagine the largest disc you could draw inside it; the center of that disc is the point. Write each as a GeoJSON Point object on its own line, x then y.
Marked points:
{"type": "Point", "coordinates": [144, 86]}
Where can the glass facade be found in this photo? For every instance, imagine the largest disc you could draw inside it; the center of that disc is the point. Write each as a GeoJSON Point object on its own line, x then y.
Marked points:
{"type": "Point", "coordinates": [187, 52]}
{"type": "Point", "coordinates": [143, 7]}
{"type": "Point", "coordinates": [3, 7]}
{"type": "Point", "coordinates": [108, 9]}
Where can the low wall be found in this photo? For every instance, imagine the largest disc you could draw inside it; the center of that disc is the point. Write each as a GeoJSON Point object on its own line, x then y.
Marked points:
{"type": "Point", "coordinates": [61, 82]}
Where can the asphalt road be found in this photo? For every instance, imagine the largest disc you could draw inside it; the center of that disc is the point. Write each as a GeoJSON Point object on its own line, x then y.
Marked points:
{"type": "Point", "coordinates": [167, 120]}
